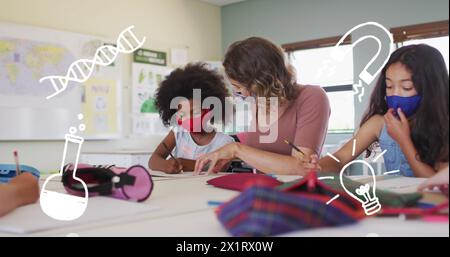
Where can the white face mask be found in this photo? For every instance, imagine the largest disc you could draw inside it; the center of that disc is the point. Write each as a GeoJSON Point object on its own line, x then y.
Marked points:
{"type": "Point", "coordinates": [238, 95]}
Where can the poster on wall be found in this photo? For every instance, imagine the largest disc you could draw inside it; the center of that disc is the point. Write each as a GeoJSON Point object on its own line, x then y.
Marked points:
{"type": "Point", "coordinates": [146, 79]}
{"type": "Point", "coordinates": [30, 53]}
{"type": "Point", "coordinates": [100, 106]}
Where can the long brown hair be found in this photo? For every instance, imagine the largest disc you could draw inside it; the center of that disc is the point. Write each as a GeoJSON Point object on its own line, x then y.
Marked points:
{"type": "Point", "coordinates": [262, 68]}
{"type": "Point", "coordinates": [430, 124]}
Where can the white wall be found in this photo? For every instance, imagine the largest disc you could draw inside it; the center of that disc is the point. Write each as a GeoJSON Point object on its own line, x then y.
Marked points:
{"type": "Point", "coordinates": [165, 23]}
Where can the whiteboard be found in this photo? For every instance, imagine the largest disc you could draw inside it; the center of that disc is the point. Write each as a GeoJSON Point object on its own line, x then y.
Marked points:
{"type": "Point", "coordinates": [29, 53]}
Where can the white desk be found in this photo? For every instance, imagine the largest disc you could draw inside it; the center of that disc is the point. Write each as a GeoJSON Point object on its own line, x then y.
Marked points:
{"type": "Point", "coordinates": [184, 212]}
{"type": "Point", "coordinates": [121, 158]}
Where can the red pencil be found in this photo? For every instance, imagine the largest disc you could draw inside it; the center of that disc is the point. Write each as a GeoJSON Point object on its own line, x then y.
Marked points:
{"type": "Point", "coordinates": [16, 159]}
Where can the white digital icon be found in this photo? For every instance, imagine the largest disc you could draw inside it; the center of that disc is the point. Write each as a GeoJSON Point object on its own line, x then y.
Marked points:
{"type": "Point", "coordinates": [80, 70]}
{"type": "Point", "coordinates": [370, 202]}
{"type": "Point", "coordinates": [61, 206]}
{"type": "Point", "coordinates": [365, 76]}
{"type": "Point", "coordinates": [368, 198]}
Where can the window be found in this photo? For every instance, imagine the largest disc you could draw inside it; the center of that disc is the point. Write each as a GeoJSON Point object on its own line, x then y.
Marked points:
{"type": "Point", "coordinates": [313, 63]}
{"type": "Point", "coordinates": [315, 67]}
{"type": "Point", "coordinates": [434, 34]}
{"type": "Point", "coordinates": [440, 43]}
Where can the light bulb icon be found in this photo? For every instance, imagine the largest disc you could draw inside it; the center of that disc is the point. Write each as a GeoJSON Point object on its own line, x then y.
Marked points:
{"type": "Point", "coordinates": [367, 196]}
{"type": "Point", "coordinates": [61, 206]}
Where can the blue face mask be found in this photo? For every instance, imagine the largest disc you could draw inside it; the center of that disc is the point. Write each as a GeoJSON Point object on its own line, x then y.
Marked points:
{"type": "Point", "coordinates": [408, 105]}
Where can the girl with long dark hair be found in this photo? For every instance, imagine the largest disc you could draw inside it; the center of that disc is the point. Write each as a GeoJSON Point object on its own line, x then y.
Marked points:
{"type": "Point", "coordinates": [408, 116]}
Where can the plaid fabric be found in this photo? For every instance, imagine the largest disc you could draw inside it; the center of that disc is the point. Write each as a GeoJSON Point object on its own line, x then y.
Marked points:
{"type": "Point", "coordinates": [386, 198]}
{"type": "Point", "coordinates": [265, 211]}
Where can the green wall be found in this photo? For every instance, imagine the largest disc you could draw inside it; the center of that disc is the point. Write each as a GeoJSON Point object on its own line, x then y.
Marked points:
{"type": "Point", "coordinates": [285, 21]}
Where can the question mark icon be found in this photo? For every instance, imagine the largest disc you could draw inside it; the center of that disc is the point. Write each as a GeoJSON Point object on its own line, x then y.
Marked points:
{"type": "Point", "coordinates": [382, 53]}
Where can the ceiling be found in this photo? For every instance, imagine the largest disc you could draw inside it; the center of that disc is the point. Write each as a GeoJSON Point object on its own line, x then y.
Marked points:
{"type": "Point", "coordinates": [222, 2]}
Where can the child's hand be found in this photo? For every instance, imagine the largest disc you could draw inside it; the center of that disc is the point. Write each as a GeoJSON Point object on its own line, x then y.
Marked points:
{"type": "Point", "coordinates": [311, 163]}
{"type": "Point", "coordinates": [398, 129]}
{"type": "Point", "coordinates": [26, 187]}
{"type": "Point", "coordinates": [173, 166]}
{"type": "Point", "coordinates": [441, 179]}
{"type": "Point", "coordinates": [314, 162]}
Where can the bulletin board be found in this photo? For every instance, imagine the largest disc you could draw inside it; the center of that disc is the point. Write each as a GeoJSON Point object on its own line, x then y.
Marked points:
{"type": "Point", "coordinates": [27, 54]}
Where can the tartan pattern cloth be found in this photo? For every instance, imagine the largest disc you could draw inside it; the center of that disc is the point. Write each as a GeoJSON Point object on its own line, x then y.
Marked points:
{"type": "Point", "coordinates": [266, 211]}
{"type": "Point", "coordinates": [386, 198]}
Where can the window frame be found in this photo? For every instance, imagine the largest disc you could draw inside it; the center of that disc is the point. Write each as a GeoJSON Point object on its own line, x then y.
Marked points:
{"type": "Point", "coordinates": [420, 31]}
{"type": "Point", "coordinates": [290, 48]}
{"type": "Point", "coordinates": [316, 44]}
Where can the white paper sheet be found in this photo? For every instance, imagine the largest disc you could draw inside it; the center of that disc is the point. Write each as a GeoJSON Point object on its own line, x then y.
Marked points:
{"type": "Point", "coordinates": [31, 218]}
{"type": "Point", "coordinates": [186, 174]}
{"type": "Point", "coordinates": [399, 184]}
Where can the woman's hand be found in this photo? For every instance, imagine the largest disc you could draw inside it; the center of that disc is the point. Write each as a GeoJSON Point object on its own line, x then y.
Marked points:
{"type": "Point", "coordinates": [216, 160]}
{"type": "Point", "coordinates": [398, 129]}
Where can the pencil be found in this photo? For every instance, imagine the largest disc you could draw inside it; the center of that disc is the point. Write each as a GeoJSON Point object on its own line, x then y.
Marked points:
{"type": "Point", "coordinates": [16, 159]}
{"type": "Point", "coordinates": [214, 203]}
{"type": "Point", "coordinates": [170, 153]}
{"type": "Point", "coordinates": [295, 147]}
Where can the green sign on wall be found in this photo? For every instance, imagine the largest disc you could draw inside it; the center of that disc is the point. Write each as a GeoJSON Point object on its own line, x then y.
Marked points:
{"type": "Point", "coordinates": [150, 57]}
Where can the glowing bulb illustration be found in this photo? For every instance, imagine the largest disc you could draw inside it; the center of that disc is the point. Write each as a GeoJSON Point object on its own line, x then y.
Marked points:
{"type": "Point", "coordinates": [62, 206]}
{"type": "Point", "coordinates": [371, 204]}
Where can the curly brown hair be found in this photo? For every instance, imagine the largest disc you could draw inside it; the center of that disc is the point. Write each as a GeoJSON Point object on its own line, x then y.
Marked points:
{"type": "Point", "coordinates": [182, 82]}
{"type": "Point", "coordinates": [261, 67]}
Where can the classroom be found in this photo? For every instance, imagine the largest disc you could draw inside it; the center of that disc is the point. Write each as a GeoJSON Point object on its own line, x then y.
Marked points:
{"type": "Point", "coordinates": [224, 118]}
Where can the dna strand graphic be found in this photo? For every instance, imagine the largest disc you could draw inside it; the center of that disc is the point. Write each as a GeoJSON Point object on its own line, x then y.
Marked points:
{"type": "Point", "coordinates": [80, 70]}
